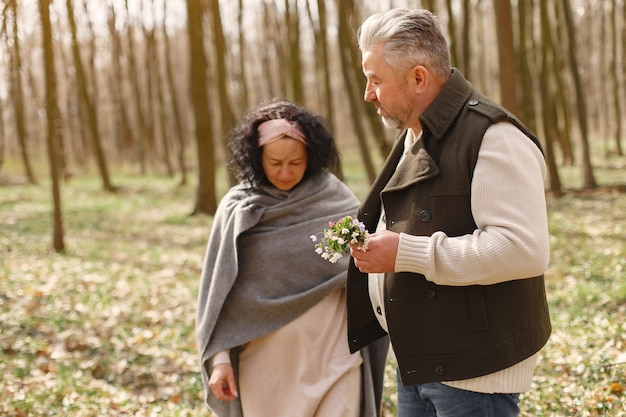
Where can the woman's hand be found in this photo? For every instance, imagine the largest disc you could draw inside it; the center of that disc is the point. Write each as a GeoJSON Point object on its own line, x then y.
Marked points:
{"type": "Point", "coordinates": [222, 382]}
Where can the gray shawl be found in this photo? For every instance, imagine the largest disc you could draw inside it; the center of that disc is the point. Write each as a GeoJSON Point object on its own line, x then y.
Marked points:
{"type": "Point", "coordinates": [261, 271]}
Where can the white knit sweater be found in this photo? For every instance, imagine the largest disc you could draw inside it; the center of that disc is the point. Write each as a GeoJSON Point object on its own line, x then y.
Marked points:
{"type": "Point", "coordinates": [511, 241]}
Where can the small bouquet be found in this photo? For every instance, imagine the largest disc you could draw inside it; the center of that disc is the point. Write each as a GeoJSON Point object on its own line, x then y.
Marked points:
{"type": "Point", "coordinates": [339, 236]}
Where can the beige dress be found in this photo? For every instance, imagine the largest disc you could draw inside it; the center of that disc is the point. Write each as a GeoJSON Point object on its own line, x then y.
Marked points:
{"type": "Point", "coordinates": [303, 369]}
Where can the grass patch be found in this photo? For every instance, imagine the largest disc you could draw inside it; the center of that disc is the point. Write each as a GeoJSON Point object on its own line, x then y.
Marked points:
{"type": "Point", "coordinates": [108, 327]}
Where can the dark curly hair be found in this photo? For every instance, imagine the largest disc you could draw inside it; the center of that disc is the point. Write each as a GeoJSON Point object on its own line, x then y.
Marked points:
{"type": "Point", "coordinates": [245, 154]}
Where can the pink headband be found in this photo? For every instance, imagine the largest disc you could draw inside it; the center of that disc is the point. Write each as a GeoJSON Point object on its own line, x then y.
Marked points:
{"type": "Point", "coordinates": [275, 129]}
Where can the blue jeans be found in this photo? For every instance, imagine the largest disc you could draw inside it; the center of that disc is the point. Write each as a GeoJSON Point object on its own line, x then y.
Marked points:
{"type": "Point", "coordinates": [439, 400]}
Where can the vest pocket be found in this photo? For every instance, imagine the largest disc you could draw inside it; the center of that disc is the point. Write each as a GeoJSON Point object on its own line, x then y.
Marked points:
{"type": "Point", "coordinates": [476, 310]}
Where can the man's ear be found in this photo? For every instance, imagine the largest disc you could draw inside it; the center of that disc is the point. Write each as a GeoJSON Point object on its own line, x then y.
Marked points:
{"type": "Point", "coordinates": [421, 78]}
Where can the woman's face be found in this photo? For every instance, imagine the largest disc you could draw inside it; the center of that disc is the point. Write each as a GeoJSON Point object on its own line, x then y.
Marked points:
{"type": "Point", "coordinates": [284, 162]}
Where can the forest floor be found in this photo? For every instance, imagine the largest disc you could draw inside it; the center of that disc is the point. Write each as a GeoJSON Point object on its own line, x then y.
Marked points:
{"type": "Point", "coordinates": [107, 328]}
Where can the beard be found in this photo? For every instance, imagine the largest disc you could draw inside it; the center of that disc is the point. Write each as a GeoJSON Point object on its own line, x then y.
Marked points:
{"type": "Point", "coordinates": [392, 122]}
{"type": "Point", "coordinates": [398, 114]}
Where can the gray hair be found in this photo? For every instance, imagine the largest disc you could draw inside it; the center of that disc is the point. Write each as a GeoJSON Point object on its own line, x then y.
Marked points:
{"type": "Point", "coordinates": [410, 37]}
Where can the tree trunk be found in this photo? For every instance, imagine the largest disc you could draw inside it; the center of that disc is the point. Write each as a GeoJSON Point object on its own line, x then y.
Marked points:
{"type": "Point", "coordinates": [136, 96]}
{"type": "Point", "coordinates": [322, 78]}
{"type": "Point", "coordinates": [376, 128]}
{"type": "Point", "coordinates": [88, 103]}
{"type": "Point", "coordinates": [615, 70]}
{"type": "Point", "coordinates": [454, 50]}
{"type": "Point", "coordinates": [2, 136]}
{"type": "Point", "coordinates": [292, 21]}
{"type": "Point", "coordinates": [581, 99]}
{"type": "Point", "coordinates": [245, 94]}
{"type": "Point", "coordinates": [467, 48]}
{"type": "Point", "coordinates": [623, 57]}
{"type": "Point", "coordinates": [549, 127]}
{"type": "Point", "coordinates": [560, 66]}
{"type": "Point", "coordinates": [150, 69]}
{"type": "Point", "coordinates": [274, 60]}
{"type": "Point", "coordinates": [528, 111]}
{"type": "Point", "coordinates": [171, 84]}
{"type": "Point", "coordinates": [324, 67]}
{"type": "Point", "coordinates": [226, 111]}
{"type": "Point", "coordinates": [17, 95]}
{"type": "Point", "coordinates": [346, 54]}
{"type": "Point", "coordinates": [206, 201]}
{"type": "Point", "coordinates": [429, 5]}
{"type": "Point", "coordinates": [506, 56]}
{"type": "Point", "coordinates": [162, 109]}
{"type": "Point", "coordinates": [322, 71]}
{"type": "Point", "coordinates": [124, 136]}
{"type": "Point", "coordinates": [53, 122]}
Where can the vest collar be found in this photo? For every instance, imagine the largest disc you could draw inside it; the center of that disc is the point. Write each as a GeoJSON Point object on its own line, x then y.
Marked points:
{"type": "Point", "coordinates": [441, 113]}
{"type": "Point", "coordinates": [417, 166]}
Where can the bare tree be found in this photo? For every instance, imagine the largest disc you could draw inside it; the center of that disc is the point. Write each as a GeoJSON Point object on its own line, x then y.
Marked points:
{"type": "Point", "coordinates": [161, 107]}
{"type": "Point", "coordinates": [615, 70]}
{"type": "Point", "coordinates": [225, 106]}
{"type": "Point", "coordinates": [324, 89]}
{"type": "Point", "coordinates": [466, 45]}
{"type": "Point", "coordinates": [549, 124]}
{"type": "Point", "coordinates": [347, 53]}
{"type": "Point", "coordinates": [175, 106]}
{"type": "Point", "coordinates": [124, 137]}
{"type": "Point", "coordinates": [17, 96]}
{"type": "Point", "coordinates": [527, 110]}
{"type": "Point", "coordinates": [2, 135]}
{"type": "Point", "coordinates": [89, 103]}
{"type": "Point", "coordinates": [452, 32]}
{"type": "Point", "coordinates": [136, 96]}
{"type": "Point", "coordinates": [274, 56]}
{"type": "Point", "coordinates": [292, 20]}
{"type": "Point", "coordinates": [562, 103]}
{"type": "Point", "coordinates": [53, 121]}
{"type": "Point", "coordinates": [581, 99]}
{"type": "Point", "coordinates": [3, 15]}
{"type": "Point", "coordinates": [506, 56]}
{"type": "Point", "coordinates": [245, 94]}
{"type": "Point", "coordinates": [149, 75]}
{"type": "Point", "coordinates": [206, 201]}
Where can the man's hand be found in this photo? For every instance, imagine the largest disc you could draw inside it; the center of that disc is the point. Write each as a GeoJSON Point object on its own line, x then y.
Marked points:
{"type": "Point", "coordinates": [381, 252]}
{"type": "Point", "coordinates": [222, 382]}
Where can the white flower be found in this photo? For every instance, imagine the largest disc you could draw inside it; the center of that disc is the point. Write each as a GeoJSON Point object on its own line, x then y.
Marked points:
{"type": "Point", "coordinates": [338, 238]}
{"type": "Point", "coordinates": [336, 256]}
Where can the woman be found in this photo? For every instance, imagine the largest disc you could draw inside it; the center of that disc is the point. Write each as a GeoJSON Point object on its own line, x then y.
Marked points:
{"type": "Point", "coordinates": [271, 323]}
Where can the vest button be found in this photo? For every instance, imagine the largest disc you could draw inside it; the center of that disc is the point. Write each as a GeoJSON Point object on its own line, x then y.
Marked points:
{"type": "Point", "coordinates": [379, 310]}
{"type": "Point", "coordinates": [425, 216]}
{"type": "Point", "coordinates": [440, 370]}
{"type": "Point", "coordinates": [472, 102]}
{"type": "Point", "coordinates": [431, 294]}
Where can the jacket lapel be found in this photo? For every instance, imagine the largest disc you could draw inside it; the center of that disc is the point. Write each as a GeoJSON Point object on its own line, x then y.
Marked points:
{"type": "Point", "coordinates": [416, 166]}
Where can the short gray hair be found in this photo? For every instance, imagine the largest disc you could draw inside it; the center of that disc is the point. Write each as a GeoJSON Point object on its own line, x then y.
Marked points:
{"type": "Point", "coordinates": [410, 37]}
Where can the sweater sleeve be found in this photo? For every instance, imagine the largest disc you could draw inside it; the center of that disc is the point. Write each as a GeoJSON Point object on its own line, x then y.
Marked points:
{"type": "Point", "coordinates": [509, 207]}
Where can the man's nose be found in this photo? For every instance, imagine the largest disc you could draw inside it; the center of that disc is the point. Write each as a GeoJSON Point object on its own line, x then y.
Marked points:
{"type": "Point", "coordinates": [369, 93]}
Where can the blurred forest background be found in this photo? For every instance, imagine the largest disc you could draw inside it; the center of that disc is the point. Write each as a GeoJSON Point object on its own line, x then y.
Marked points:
{"type": "Point", "coordinates": [152, 86]}
{"type": "Point", "coordinates": [113, 118]}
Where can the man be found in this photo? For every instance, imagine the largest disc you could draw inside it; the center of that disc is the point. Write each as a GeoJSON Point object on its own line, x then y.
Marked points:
{"type": "Point", "coordinates": [454, 270]}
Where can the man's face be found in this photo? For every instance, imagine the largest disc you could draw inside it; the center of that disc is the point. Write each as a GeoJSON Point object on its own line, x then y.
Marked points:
{"type": "Point", "coordinates": [388, 90]}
